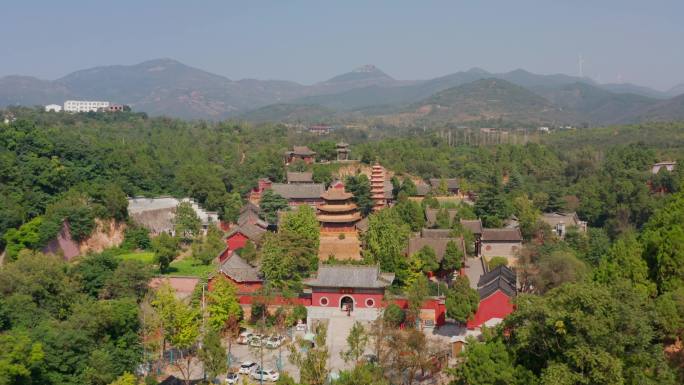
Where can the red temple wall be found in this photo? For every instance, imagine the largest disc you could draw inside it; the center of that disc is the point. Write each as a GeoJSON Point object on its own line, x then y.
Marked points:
{"type": "Point", "coordinates": [359, 299]}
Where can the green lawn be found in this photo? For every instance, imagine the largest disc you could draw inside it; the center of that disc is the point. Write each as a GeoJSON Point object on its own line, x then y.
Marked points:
{"type": "Point", "coordinates": [185, 267]}
{"type": "Point", "coordinates": [144, 256]}
{"type": "Point", "coordinates": [190, 267]}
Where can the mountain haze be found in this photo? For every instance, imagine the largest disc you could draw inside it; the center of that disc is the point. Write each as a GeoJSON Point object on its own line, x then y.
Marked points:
{"type": "Point", "coordinates": [168, 87]}
{"type": "Point", "coordinates": [487, 99]}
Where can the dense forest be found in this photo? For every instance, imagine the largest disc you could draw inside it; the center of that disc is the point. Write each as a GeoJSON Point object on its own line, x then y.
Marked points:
{"type": "Point", "coordinates": [599, 308]}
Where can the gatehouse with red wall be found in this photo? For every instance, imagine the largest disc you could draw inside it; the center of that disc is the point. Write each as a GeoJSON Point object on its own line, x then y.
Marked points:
{"type": "Point", "coordinates": [349, 291]}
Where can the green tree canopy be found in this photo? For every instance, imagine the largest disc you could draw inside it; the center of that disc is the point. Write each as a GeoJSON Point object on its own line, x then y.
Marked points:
{"type": "Point", "coordinates": [461, 300]}
{"type": "Point", "coordinates": [186, 223]}
{"type": "Point", "coordinates": [223, 306]}
{"type": "Point", "coordinates": [165, 249]}
{"type": "Point", "coordinates": [270, 204]}
{"type": "Point", "coordinates": [453, 257]}
{"type": "Point", "coordinates": [386, 239]}
{"type": "Point", "coordinates": [302, 222]}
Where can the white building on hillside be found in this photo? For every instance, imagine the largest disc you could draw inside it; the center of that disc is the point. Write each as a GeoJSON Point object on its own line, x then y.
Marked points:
{"type": "Point", "coordinates": [53, 108]}
{"type": "Point", "coordinates": [158, 214]}
{"type": "Point", "coordinates": [84, 105]}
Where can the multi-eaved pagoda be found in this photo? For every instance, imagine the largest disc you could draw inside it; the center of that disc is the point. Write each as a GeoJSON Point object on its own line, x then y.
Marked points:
{"type": "Point", "coordinates": [339, 213]}
{"type": "Point", "coordinates": [377, 182]}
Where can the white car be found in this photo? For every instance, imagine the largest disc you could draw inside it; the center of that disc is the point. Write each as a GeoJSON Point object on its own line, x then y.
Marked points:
{"type": "Point", "coordinates": [247, 367]}
{"type": "Point", "coordinates": [274, 342]}
{"type": "Point", "coordinates": [265, 374]}
{"type": "Point", "coordinates": [232, 378]}
{"type": "Point", "coordinates": [301, 327]}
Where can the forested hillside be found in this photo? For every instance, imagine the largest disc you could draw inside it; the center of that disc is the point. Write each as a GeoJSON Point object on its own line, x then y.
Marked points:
{"type": "Point", "coordinates": [611, 297]}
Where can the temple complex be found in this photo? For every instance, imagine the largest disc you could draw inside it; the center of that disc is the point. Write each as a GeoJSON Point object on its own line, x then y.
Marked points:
{"type": "Point", "coordinates": [378, 187]}
{"type": "Point", "coordinates": [338, 213]}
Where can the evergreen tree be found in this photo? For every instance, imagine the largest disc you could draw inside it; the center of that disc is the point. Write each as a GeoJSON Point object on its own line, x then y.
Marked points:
{"type": "Point", "coordinates": [442, 221]}
{"type": "Point", "coordinates": [359, 185]}
{"type": "Point", "coordinates": [186, 223]}
{"type": "Point", "coordinates": [453, 257]}
{"type": "Point", "coordinates": [408, 187]}
{"type": "Point", "coordinates": [230, 209]}
{"type": "Point", "coordinates": [165, 249]}
{"type": "Point", "coordinates": [461, 300]}
{"type": "Point", "coordinates": [270, 204]}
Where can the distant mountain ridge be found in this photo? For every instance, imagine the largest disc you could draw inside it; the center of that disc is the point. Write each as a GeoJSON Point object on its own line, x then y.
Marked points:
{"type": "Point", "coordinates": [487, 99]}
{"type": "Point", "coordinates": [168, 87]}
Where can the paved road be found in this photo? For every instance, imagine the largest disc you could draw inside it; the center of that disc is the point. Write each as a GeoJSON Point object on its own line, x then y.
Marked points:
{"type": "Point", "coordinates": [473, 270]}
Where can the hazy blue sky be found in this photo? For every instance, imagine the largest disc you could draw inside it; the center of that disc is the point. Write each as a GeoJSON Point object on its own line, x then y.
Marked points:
{"type": "Point", "coordinates": [307, 41]}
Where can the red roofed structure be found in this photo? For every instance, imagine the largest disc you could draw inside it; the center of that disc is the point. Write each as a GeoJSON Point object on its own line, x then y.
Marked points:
{"type": "Point", "coordinates": [497, 289]}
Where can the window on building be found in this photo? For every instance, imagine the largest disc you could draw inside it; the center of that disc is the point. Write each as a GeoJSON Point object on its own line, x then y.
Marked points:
{"type": "Point", "coordinates": [323, 301]}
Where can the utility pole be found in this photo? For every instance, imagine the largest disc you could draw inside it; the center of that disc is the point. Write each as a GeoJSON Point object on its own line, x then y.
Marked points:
{"type": "Point", "coordinates": [204, 369]}
{"type": "Point", "coordinates": [261, 346]}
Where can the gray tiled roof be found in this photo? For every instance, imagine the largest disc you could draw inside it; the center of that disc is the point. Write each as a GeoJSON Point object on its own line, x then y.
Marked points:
{"type": "Point", "coordinates": [553, 219]}
{"type": "Point", "coordinates": [350, 276]}
{"type": "Point", "coordinates": [431, 215]}
{"type": "Point", "coordinates": [495, 285]}
{"type": "Point", "coordinates": [302, 150]}
{"type": "Point", "coordinates": [452, 184]}
{"type": "Point", "coordinates": [507, 235]}
{"type": "Point", "coordinates": [422, 189]}
{"type": "Point", "coordinates": [299, 177]}
{"type": "Point", "coordinates": [248, 216]}
{"type": "Point", "coordinates": [435, 233]}
{"type": "Point", "coordinates": [439, 245]}
{"type": "Point", "coordinates": [251, 231]}
{"type": "Point", "coordinates": [474, 225]}
{"type": "Point", "coordinates": [299, 191]}
{"type": "Point", "coordinates": [239, 270]}
{"type": "Point", "coordinates": [500, 271]}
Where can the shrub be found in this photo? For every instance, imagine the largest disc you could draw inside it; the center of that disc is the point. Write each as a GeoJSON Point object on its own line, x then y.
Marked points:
{"type": "Point", "coordinates": [393, 315]}
{"type": "Point", "coordinates": [136, 237]}
{"type": "Point", "coordinates": [495, 262]}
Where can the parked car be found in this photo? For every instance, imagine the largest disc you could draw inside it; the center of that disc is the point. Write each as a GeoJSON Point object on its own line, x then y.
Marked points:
{"type": "Point", "coordinates": [265, 374]}
{"type": "Point", "coordinates": [301, 327]}
{"type": "Point", "coordinates": [274, 342]}
{"type": "Point", "coordinates": [232, 378]}
{"type": "Point", "coordinates": [244, 338]}
{"type": "Point", "coordinates": [247, 367]}
{"type": "Point", "coordinates": [256, 341]}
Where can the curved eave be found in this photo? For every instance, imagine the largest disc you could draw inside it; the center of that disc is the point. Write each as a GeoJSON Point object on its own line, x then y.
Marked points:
{"type": "Point", "coordinates": [339, 218]}
{"type": "Point", "coordinates": [337, 208]}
